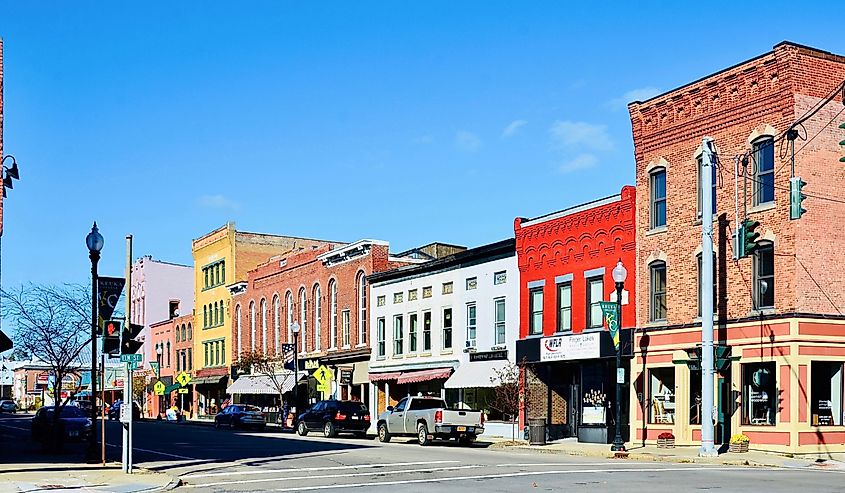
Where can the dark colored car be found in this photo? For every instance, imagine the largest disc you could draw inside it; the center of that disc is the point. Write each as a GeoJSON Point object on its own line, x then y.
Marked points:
{"type": "Point", "coordinates": [333, 417]}
{"type": "Point", "coordinates": [240, 416]}
{"type": "Point", "coordinates": [76, 425]}
{"type": "Point", "coordinates": [7, 406]}
{"type": "Point", "coordinates": [114, 411]}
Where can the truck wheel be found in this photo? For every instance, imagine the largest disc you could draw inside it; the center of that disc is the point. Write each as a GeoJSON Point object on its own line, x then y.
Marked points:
{"type": "Point", "coordinates": [466, 441]}
{"type": "Point", "coordinates": [301, 429]}
{"type": "Point", "coordinates": [383, 434]}
{"type": "Point", "coordinates": [422, 435]}
{"type": "Point", "coordinates": [328, 429]}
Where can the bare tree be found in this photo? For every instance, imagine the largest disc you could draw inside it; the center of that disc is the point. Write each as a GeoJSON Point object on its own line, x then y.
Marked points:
{"type": "Point", "coordinates": [51, 323]}
{"type": "Point", "coordinates": [506, 396]}
{"type": "Point", "coordinates": [272, 368]}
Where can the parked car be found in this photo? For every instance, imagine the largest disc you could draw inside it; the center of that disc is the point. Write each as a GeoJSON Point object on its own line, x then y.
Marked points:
{"type": "Point", "coordinates": [114, 411]}
{"type": "Point", "coordinates": [428, 418]}
{"type": "Point", "coordinates": [333, 417]}
{"type": "Point", "coordinates": [240, 416]}
{"type": "Point", "coordinates": [76, 425]}
{"type": "Point", "coordinates": [7, 406]}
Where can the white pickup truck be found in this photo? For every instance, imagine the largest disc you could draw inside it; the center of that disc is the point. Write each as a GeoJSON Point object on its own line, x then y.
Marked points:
{"type": "Point", "coordinates": [428, 418]}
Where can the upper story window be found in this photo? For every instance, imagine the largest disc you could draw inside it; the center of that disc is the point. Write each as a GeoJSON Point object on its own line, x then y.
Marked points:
{"type": "Point", "coordinates": [252, 326]}
{"type": "Point", "coordinates": [564, 303]}
{"type": "Point", "coordinates": [764, 171]}
{"type": "Point", "coordinates": [764, 276]}
{"type": "Point", "coordinates": [658, 198]}
{"type": "Point", "coordinates": [345, 334]}
{"type": "Point", "coordinates": [380, 300]}
{"type": "Point", "coordinates": [427, 292]}
{"type": "Point", "coordinates": [448, 287]}
{"type": "Point", "coordinates": [333, 313]}
{"type": "Point", "coordinates": [657, 303]}
{"type": "Point", "coordinates": [362, 308]}
{"type": "Point", "coordinates": [500, 277]}
{"type": "Point", "coordinates": [426, 338]}
{"type": "Point", "coordinates": [398, 336]}
{"type": "Point", "coordinates": [535, 311]}
{"type": "Point", "coordinates": [397, 297]}
{"type": "Point", "coordinates": [289, 312]}
{"type": "Point", "coordinates": [595, 294]}
{"type": "Point", "coordinates": [380, 338]}
{"type": "Point", "coordinates": [499, 327]}
{"type": "Point", "coordinates": [412, 295]}
{"type": "Point", "coordinates": [472, 283]}
{"type": "Point", "coordinates": [698, 208]}
{"type": "Point", "coordinates": [472, 320]}
{"type": "Point", "coordinates": [447, 328]}
{"type": "Point", "coordinates": [214, 274]}
{"type": "Point", "coordinates": [303, 320]}
{"type": "Point", "coordinates": [318, 316]}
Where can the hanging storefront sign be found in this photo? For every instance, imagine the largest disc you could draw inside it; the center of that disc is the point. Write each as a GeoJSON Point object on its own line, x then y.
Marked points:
{"type": "Point", "coordinates": [489, 355]}
{"type": "Point", "coordinates": [611, 312]}
{"type": "Point", "coordinates": [571, 347]}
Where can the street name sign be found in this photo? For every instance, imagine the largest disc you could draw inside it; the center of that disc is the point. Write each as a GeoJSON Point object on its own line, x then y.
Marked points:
{"type": "Point", "coordinates": [131, 358]}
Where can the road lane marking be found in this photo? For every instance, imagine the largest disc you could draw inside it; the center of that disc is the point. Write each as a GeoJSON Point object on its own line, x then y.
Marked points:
{"type": "Point", "coordinates": [165, 454]}
{"type": "Point", "coordinates": [330, 476]}
{"type": "Point", "coordinates": [503, 475]}
{"type": "Point", "coordinates": [303, 469]}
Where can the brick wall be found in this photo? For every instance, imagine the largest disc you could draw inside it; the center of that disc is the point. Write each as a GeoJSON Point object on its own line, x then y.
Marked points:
{"type": "Point", "coordinates": [732, 106]}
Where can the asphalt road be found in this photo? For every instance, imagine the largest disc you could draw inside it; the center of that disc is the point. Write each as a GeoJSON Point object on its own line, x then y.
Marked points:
{"type": "Point", "coordinates": [209, 460]}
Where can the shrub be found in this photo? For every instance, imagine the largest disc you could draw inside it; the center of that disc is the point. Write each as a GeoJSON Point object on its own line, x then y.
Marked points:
{"type": "Point", "coordinates": [666, 436]}
{"type": "Point", "coordinates": [740, 438]}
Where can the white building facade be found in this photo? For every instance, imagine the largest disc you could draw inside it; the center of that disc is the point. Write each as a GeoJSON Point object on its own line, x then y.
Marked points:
{"type": "Point", "coordinates": [447, 327]}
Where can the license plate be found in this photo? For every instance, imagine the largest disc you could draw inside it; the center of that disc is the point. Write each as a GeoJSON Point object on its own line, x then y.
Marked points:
{"type": "Point", "coordinates": [355, 417]}
{"type": "Point", "coordinates": [462, 428]}
{"type": "Point", "coordinates": [73, 433]}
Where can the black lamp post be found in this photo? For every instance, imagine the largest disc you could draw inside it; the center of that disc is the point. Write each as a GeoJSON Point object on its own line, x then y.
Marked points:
{"type": "Point", "coordinates": [294, 327]}
{"type": "Point", "coordinates": [158, 376]}
{"type": "Point", "coordinates": [94, 241]}
{"type": "Point", "coordinates": [620, 273]}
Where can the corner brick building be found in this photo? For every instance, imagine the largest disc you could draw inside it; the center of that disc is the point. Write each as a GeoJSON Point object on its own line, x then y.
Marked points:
{"type": "Point", "coordinates": [779, 313]}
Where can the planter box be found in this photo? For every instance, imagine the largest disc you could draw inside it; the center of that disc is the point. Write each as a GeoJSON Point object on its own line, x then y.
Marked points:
{"type": "Point", "coordinates": [738, 447]}
{"type": "Point", "coordinates": [665, 443]}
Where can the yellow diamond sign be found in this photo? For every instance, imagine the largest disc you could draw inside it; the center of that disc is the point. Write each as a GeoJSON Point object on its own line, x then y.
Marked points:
{"type": "Point", "coordinates": [158, 388]}
{"type": "Point", "coordinates": [323, 374]}
{"type": "Point", "coordinates": [183, 379]}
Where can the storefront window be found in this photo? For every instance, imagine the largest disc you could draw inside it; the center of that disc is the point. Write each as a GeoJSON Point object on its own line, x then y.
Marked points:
{"type": "Point", "coordinates": [695, 397]}
{"type": "Point", "coordinates": [662, 392]}
{"type": "Point", "coordinates": [759, 394]}
{"type": "Point", "coordinates": [826, 393]}
{"type": "Point", "coordinates": [595, 400]}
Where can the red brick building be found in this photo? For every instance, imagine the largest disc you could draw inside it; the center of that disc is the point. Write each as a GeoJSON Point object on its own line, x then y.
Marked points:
{"type": "Point", "coordinates": [324, 290]}
{"type": "Point", "coordinates": [778, 312]}
{"type": "Point", "coordinates": [565, 261]}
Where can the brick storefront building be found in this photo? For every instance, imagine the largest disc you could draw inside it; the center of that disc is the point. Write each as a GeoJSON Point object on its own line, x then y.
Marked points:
{"type": "Point", "coordinates": [565, 261]}
{"type": "Point", "coordinates": [779, 312]}
{"type": "Point", "coordinates": [324, 290]}
{"type": "Point", "coordinates": [163, 346]}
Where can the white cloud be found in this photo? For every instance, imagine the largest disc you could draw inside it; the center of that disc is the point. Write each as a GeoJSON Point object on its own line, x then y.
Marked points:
{"type": "Point", "coordinates": [467, 141]}
{"type": "Point", "coordinates": [581, 161]}
{"type": "Point", "coordinates": [513, 127]}
{"type": "Point", "coordinates": [569, 134]}
{"type": "Point", "coordinates": [218, 202]}
{"type": "Point", "coordinates": [640, 94]}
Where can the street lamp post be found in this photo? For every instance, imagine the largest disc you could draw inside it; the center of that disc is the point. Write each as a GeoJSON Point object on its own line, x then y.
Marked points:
{"type": "Point", "coordinates": [160, 398]}
{"type": "Point", "coordinates": [94, 242]}
{"type": "Point", "coordinates": [620, 273]}
{"type": "Point", "coordinates": [294, 327]}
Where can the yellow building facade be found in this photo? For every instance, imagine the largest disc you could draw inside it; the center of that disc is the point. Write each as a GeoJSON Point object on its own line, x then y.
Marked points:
{"type": "Point", "coordinates": [222, 259]}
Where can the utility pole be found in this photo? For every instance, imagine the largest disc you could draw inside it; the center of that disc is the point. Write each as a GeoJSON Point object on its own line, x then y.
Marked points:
{"type": "Point", "coordinates": [128, 406]}
{"type": "Point", "coordinates": [707, 388]}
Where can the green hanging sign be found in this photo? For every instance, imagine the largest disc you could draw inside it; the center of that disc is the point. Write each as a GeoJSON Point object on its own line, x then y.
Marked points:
{"type": "Point", "coordinates": [611, 315]}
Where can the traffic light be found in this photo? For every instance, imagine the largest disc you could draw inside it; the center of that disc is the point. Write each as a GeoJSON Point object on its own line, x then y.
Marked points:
{"type": "Point", "coordinates": [128, 344]}
{"type": "Point", "coordinates": [842, 143]}
{"type": "Point", "coordinates": [111, 337]}
{"type": "Point", "coordinates": [749, 237]}
{"type": "Point", "coordinates": [739, 241]}
{"type": "Point", "coordinates": [796, 197]}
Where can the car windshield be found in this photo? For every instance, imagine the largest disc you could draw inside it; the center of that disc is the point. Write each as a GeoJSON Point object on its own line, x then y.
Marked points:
{"type": "Point", "coordinates": [351, 407]}
{"type": "Point", "coordinates": [67, 412]}
{"type": "Point", "coordinates": [249, 409]}
{"type": "Point", "coordinates": [421, 404]}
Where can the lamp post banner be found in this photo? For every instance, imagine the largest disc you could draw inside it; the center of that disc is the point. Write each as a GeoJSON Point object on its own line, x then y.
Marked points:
{"type": "Point", "coordinates": [108, 292]}
{"type": "Point", "coordinates": [611, 316]}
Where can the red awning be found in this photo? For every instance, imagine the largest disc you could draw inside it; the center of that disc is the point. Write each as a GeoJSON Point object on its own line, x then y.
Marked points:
{"type": "Point", "coordinates": [380, 377]}
{"type": "Point", "coordinates": [424, 375]}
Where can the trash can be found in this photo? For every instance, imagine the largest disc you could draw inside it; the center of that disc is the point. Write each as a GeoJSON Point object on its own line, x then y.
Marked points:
{"type": "Point", "coordinates": [537, 431]}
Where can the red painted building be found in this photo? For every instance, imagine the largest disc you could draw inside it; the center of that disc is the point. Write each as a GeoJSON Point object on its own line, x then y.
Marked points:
{"type": "Point", "coordinates": [163, 344]}
{"type": "Point", "coordinates": [565, 261]}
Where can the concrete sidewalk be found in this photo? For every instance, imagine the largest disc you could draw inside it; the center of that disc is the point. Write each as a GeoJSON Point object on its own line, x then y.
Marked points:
{"type": "Point", "coordinates": [677, 454]}
{"type": "Point", "coordinates": [34, 477]}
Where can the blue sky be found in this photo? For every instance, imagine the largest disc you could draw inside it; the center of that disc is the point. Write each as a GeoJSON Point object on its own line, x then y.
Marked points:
{"type": "Point", "coordinates": [410, 122]}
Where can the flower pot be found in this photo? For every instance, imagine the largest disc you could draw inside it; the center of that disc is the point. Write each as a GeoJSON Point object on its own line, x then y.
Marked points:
{"type": "Point", "coordinates": [739, 448]}
{"type": "Point", "coordinates": [665, 443]}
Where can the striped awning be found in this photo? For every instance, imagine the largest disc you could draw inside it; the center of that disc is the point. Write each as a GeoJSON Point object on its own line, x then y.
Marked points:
{"type": "Point", "coordinates": [423, 375]}
{"type": "Point", "coordinates": [381, 377]}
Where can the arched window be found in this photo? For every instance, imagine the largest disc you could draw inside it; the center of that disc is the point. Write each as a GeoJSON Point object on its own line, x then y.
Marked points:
{"type": "Point", "coordinates": [657, 300]}
{"type": "Point", "coordinates": [764, 276]}
{"type": "Point", "coordinates": [168, 354]}
{"type": "Point", "coordinates": [216, 314]}
{"type": "Point", "coordinates": [289, 312]}
{"type": "Point", "coordinates": [176, 335]}
{"type": "Point", "coordinates": [657, 179]}
{"type": "Point", "coordinates": [205, 316]}
{"type": "Point", "coordinates": [240, 335]}
{"type": "Point", "coordinates": [184, 333]}
{"type": "Point", "coordinates": [303, 320]}
{"type": "Point", "coordinates": [221, 312]}
{"type": "Point", "coordinates": [276, 315]}
{"type": "Point", "coordinates": [264, 326]}
{"type": "Point", "coordinates": [318, 316]}
{"type": "Point", "coordinates": [333, 313]}
{"type": "Point", "coordinates": [252, 326]}
{"type": "Point", "coordinates": [764, 170]}
{"type": "Point", "coordinates": [190, 333]}
{"type": "Point", "coordinates": [362, 307]}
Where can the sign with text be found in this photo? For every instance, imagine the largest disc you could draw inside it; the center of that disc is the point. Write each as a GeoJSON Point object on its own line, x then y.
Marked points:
{"type": "Point", "coordinates": [611, 316]}
{"type": "Point", "coordinates": [311, 364]}
{"type": "Point", "coordinates": [489, 355]}
{"type": "Point", "coordinates": [571, 347]}
{"type": "Point", "coordinates": [345, 377]}
{"type": "Point", "coordinates": [108, 293]}
{"type": "Point", "coordinates": [130, 358]}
